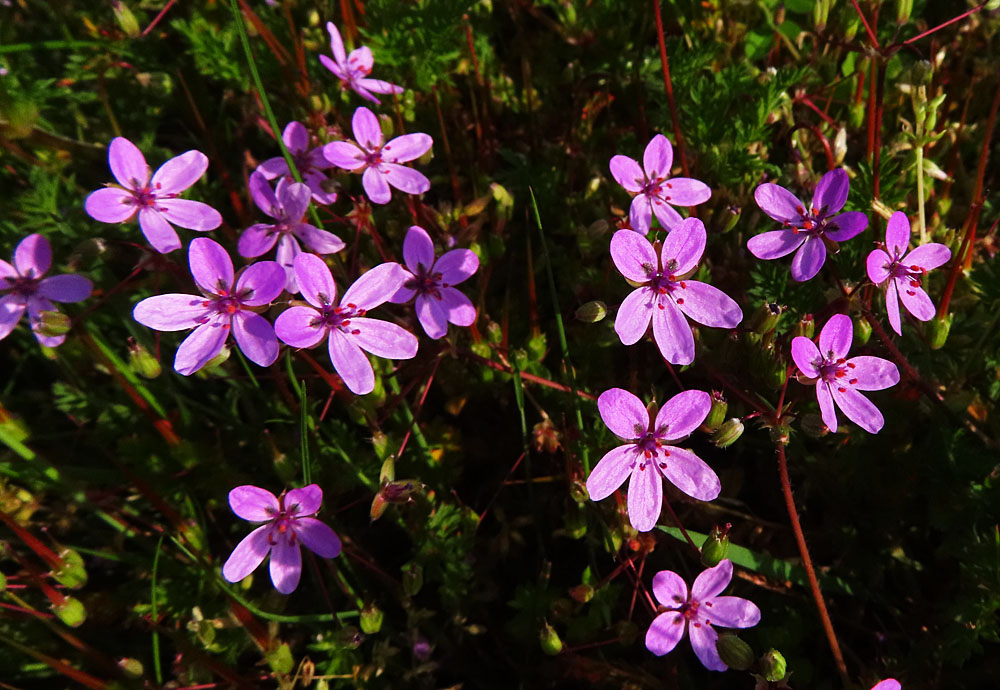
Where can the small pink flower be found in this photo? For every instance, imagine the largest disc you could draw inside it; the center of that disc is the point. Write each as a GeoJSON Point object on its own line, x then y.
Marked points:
{"type": "Point", "coordinates": [902, 272]}
{"type": "Point", "coordinates": [155, 200]}
{"type": "Point", "coordinates": [309, 162]}
{"type": "Point", "coordinates": [379, 163]}
{"type": "Point", "coordinates": [698, 611]}
{"type": "Point", "coordinates": [287, 524]}
{"type": "Point", "coordinates": [353, 69]}
{"type": "Point", "coordinates": [655, 191]}
{"type": "Point", "coordinates": [431, 281]}
{"type": "Point", "coordinates": [649, 455]}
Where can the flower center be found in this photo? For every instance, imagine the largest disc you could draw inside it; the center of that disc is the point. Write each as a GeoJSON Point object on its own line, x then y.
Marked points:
{"type": "Point", "coordinates": [426, 282]}
{"type": "Point", "coordinates": [837, 371]}
{"type": "Point", "coordinates": [145, 197]}
{"type": "Point", "coordinates": [340, 317]}
{"type": "Point", "coordinates": [658, 188]}
{"type": "Point", "coordinates": [812, 222]}
{"type": "Point", "coordinates": [689, 609]}
{"type": "Point", "coordinates": [23, 285]}
{"type": "Point", "coordinates": [912, 275]}
{"type": "Point", "coordinates": [374, 157]}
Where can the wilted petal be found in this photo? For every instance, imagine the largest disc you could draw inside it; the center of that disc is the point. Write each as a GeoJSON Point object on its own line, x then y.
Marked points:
{"type": "Point", "coordinates": [11, 310]}
{"type": "Point", "coordinates": [915, 300]}
{"type": "Point", "coordinates": [892, 306]}
{"type": "Point", "coordinates": [928, 256]}
{"type": "Point", "coordinates": [831, 192]}
{"type": "Point", "coordinates": [665, 213]}
{"type": "Point", "coordinates": [315, 280]}
{"type": "Point", "coordinates": [897, 234]}
{"type": "Point", "coordinates": [172, 312]}
{"type": "Point", "coordinates": [640, 214]}
{"type": "Point", "coordinates": [686, 191]}
{"type": "Point", "coordinates": [665, 632]}
{"type": "Point", "coordinates": [623, 413]}
{"type": "Point", "coordinates": [877, 265]}
{"type": "Point", "coordinates": [672, 333]}
{"type": "Point", "coordinates": [300, 327]}
{"type": "Point", "coordinates": [128, 165]}
{"type": "Point", "coordinates": [774, 244]}
{"type": "Point", "coordinates": [351, 364]}
{"type": "Point", "coordinates": [318, 537]}
{"type": "Point", "coordinates": [375, 286]}
{"type": "Point", "coordinates": [336, 44]}
{"type": "Point", "coordinates": [286, 564]}
{"type": "Point", "coordinates": [345, 155]}
{"type": "Point", "coordinates": [418, 249]}
{"type": "Point", "coordinates": [645, 497]}
{"type": "Point", "coordinates": [304, 501]}
{"type": "Point", "coordinates": [210, 264]}
{"type": "Point", "coordinates": [703, 642]}
{"type": "Point", "coordinates": [376, 185]}
{"type": "Point", "coordinates": [33, 256]}
{"type": "Point", "coordinates": [712, 582]}
{"type": "Point", "coordinates": [627, 173]}
{"type": "Point", "coordinates": [264, 280]}
{"type": "Point", "coordinates": [872, 373]}
{"type": "Point", "coordinates": [731, 612]}
{"type": "Point", "coordinates": [204, 343]}
{"type": "Point", "coordinates": [809, 259]}
{"type": "Point", "coordinates": [255, 336]}
{"type": "Point", "coordinates": [253, 503]}
{"type": "Point", "coordinates": [457, 307]}
{"type": "Point", "coordinates": [806, 355]}
{"type": "Point", "coordinates": [320, 241]}
{"type": "Point", "coordinates": [431, 316]}
{"type": "Point", "coordinates": [405, 179]}
{"type": "Point", "coordinates": [682, 414]}
{"type": "Point", "coordinates": [110, 205]}
{"type": "Point", "coordinates": [633, 255]}
{"type": "Point", "coordinates": [658, 157]}
{"type": "Point", "coordinates": [826, 408]}
{"type": "Point", "coordinates": [670, 589]}
{"type": "Point", "coordinates": [858, 408]}
{"type": "Point", "coordinates": [256, 240]}
{"type": "Point", "coordinates": [367, 129]}
{"type": "Point", "coordinates": [779, 203]}
{"type": "Point", "coordinates": [633, 316]}
{"type": "Point", "coordinates": [457, 265]}
{"type": "Point", "coordinates": [836, 336]}
{"type": "Point", "coordinates": [193, 215]}
{"type": "Point", "coordinates": [690, 474]}
{"type": "Point", "coordinates": [407, 148]}
{"type": "Point", "coordinates": [65, 288]}
{"type": "Point", "coordinates": [296, 137]}
{"type": "Point", "coordinates": [247, 555]}
{"type": "Point", "coordinates": [383, 339]}
{"type": "Point", "coordinates": [684, 246]}
{"type": "Point", "coordinates": [708, 305]}
{"type": "Point", "coordinates": [611, 472]}
{"type": "Point", "coordinates": [179, 173]}
{"type": "Point", "coordinates": [846, 225]}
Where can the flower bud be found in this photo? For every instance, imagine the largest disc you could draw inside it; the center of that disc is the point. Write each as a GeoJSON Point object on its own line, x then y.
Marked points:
{"type": "Point", "coordinates": [862, 330]}
{"type": "Point", "coordinates": [53, 323]}
{"type": "Point", "coordinates": [728, 433]}
{"type": "Point", "coordinates": [731, 216]}
{"type": "Point", "coordinates": [130, 667]}
{"type": "Point", "coordinates": [582, 593]}
{"type": "Point", "coordinates": [413, 578]}
{"type": "Point", "coordinates": [716, 546]}
{"type": "Point", "coordinates": [812, 425]}
{"type": "Point", "coordinates": [371, 619]}
{"type": "Point", "coordinates": [821, 11]}
{"type": "Point", "coordinates": [494, 333]}
{"type": "Point", "coordinates": [937, 331]}
{"type": "Point", "coordinates": [903, 10]}
{"type": "Point", "coordinates": [856, 115]}
{"type": "Point", "coordinates": [70, 611]}
{"type": "Point", "coordinates": [766, 318]}
{"type": "Point", "coordinates": [921, 72]}
{"type": "Point", "coordinates": [806, 326]}
{"type": "Point", "coordinates": [126, 20]}
{"type": "Point", "coordinates": [773, 666]}
{"type": "Point", "coordinates": [717, 413]}
{"type": "Point", "coordinates": [388, 471]}
{"type": "Point", "coordinates": [850, 32]}
{"type": "Point", "coordinates": [347, 638]}
{"type": "Point", "coordinates": [142, 361]}
{"type": "Point", "coordinates": [734, 652]}
{"type": "Point", "coordinates": [781, 433]}
{"type": "Point", "coordinates": [592, 311]}
{"type": "Point", "coordinates": [549, 640]}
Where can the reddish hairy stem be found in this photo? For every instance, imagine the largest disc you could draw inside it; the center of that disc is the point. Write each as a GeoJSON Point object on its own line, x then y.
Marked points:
{"type": "Point", "coordinates": [944, 24]}
{"type": "Point", "coordinates": [670, 88]}
{"type": "Point", "coordinates": [868, 28]}
{"type": "Point", "coordinates": [32, 542]}
{"type": "Point", "coordinates": [800, 540]}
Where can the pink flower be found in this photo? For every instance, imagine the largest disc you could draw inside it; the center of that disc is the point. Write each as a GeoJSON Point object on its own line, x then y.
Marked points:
{"type": "Point", "coordinates": [380, 163]}
{"type": "Point", "coordinates": [309, 162]}
{"type": "Point", "coordinates": [839, 379]}
{"type": "Point", "coordinates": [664, 295]}
{"type": "Point", "coordinates": [344, 325]}
{"type": "Point", "coordinates": [156, 200]}
{"type": "Point", "coordinates": [24, 289]}
{"type": "Point", "coordinates": [806, 230]}
{"type": "Point", "coordinates": [902, 275]}
{"type": "Point", "coordinates": [655, 191]}
{"type": "Point", "coordinates": [648, 456]}
{"type": "Point", "coordinates": [431, 282]}
{"type": "Point", "coordinates": [286, 206]}
{"type": "Point", "coordinates": [287, 523]}
{"type": "Point", "coordinates": [353, 69]}
{"type": "Point", "coordinates": [888, 684]}
{"type": "Point", "coordinates": [227, 305]}
{"type": "Point", "coordinates": [698, 611]}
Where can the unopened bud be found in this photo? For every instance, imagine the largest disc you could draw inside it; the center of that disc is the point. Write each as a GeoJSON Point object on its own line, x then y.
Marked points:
{"type": "Point", "coordinates": [812, 425]}
{"type": "Point", "coordinates": [728, 433]}
{"type": "Point", "coordinates": [401, 491]}
{"type": "Point", "coordinates": [388, 471]}
{"type": "Point", "coordinates": [716, 546]}
{"type": "Point", "coordinates": [851, 31]}
{"type": "Point", "coordinates": [717, 413]}
{"type": "Point", "coordinates": [142, 361]}
{"type": "Point", "coordinates": [781, 433]}
{"type": "Point", "coordinates": [379, 504]}
{"type": "Point", "coordinates": [903, 10]}
{"type": "Point", "coordinates": [937, 331]}
{"type": "Point", "coordinates": [653, 409]}
{"type": "Point", "coordinates": [766, 318]}
{"type": "Point", "coordinates": [734, 652]}
{"type": "Point", "coordinates": [53, 323]}
{"type": "Point", "coordinates": [126, 20]}
{"type": "Point", "coordinates": [731, 216]}
{"type": "Point", "coordinates": [347, 638]}
{"type": "Point", "coordinates": [856, 115]}
{"type": "Point", "coordinates": [413, 578]}
{"type": "Point", "coordinates": [821, 11]}
{"type": "Point", "coordinates": [921, 72]}
{"type": "Point", "coordinates": [371, 619]}
{"type": "Point", "coordinates": [806, 326]}
{"type": "Point", "coordinates": [582, 593]}
{"type": "Point", "coordinates": [773, 666]}
{"type": "Point", "coordinates": [494, 333]}
{"type": "Point", "coordinates": [592, 311]}
{"type": "Point", "coordinates": [549, 640]}
{"type": "Point", "coordinates": [862, 330]}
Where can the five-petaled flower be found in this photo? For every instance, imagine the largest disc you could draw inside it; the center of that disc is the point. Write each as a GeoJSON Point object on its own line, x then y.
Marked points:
{"type": "Point", "coordinates": [353, 69]}
{"type": "Point", "coordinates": [839, 379]}
{"type": "Point", "coordinates": [698, 611]}
{"type": "Point", "coordinates": [903, 272]}
{"type": "Point", "coordinates": [655, 191]}
{"type": "Point", "coordinates": [286, 205]}
{"type": "Point", "coordinates": [288, 523]}
{"type": "Point", "coordinates": [380, 163]}
{"type": "Point", "coordinates": [808, 230]}
{"type": "Point", "coordinates": [431, 282]}
{"type": "Point", "coordinates": [228, 305]}
{"type": "Point", "coordinates": [156, 200]}
{"type": "Point", "coordinates": [648, 455]}
{"type": "Point", "coordinates": [24, 289]}
{"type": "Point", "coordinates": [664, 295]}
{"type": "Point", "coordinates": [309, 162]}
{"type": "Point", "coordinates": [344, 324]}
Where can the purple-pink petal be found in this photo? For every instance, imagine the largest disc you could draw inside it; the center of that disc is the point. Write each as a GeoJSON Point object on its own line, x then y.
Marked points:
{"type": "Point", "coordinates": [669, 218]}
{"type": "Point", "coordinates": [826, 407]}
{"type": "Point", "coordinates": [157, 231]}
{"type": "Point", "coordinates": [633, 255]}
{"type": "Point", "coordinates": [670, 589]}
{"type": "Point", "coordinates": [779, 203]}
{"type": "Point", "coordinates": [363, 86]}
{"type": "Point", "coordinates": [247, 555]}
{"type": "Point", "coordinates": [665, 632]}
{"type": "Point", "coordinates": [682, 414]}
{"type": "Point", "coordinates": [294, 199]}
{"type": "Point", "coordinates": [877, 266]}
{"type": "Point", "coordinates": [304, 501]}
{"type": "Point", "coordinates": [708, 305]}
{"type": "Point", "coordinates": [645, 497]}
{"type": "Point", "coordinates": [831, 192]}
{"type": "Point", "coordinates": [405, 179]}
{"type": "Point", "coordinates": [711, 582]}
{"type": "Point", "coordinates": [204, 343]}
{"type": "Point", "coordinates": [128, 165]}
{"type": "Point", "coordinates": [846, 226]}
{"type": "Point", "coordinates": [286, 564]}
{"type": "Point", "coordinates": [351, 364]}
{"type": "Point", "coordinates": [315, 280]}
{"type": "Point", "coordinates": [256, 240]}
{"type": "Point", "coordinates": [928, 256]}
{"type": "Point", "coordinates": [272, 167]}
{"type": "Point", "coordinates": [684, 246]}
{"type": "Point", "coordinates": [872, 373]}
{"type": "Point", "coordinates": [690, 474]}
{"type": "Point", "coordinates": [110, 205]}
{"type": "Point", "coordinates": [33, 256]}
{"type": "Point", "coordinates": [367, 129]}
{"type": "Point", "coordinates": [888, 684]}
{"type": "Point", "coordinates": [836, 336]}
{"type": "Point", "coordinates": [318, 537]}
{"type": "Point", "coordinates": [611, 472]}
{"type": "Point", "coordinates": [11, 310]}
{"type": "Point", "coordinates": [383, 339]}
{"type": "Point", "coordinates": [320, 241]}
{"type": "Point", "coordinates": [375, 286]}
{"type": "Point", "coordinates": [897, 234]}
{"type": "Point", "coordinates": [264, 281]}
{"type": "Point", "coordinates": [344, 155]}
{"type": "Point", "coordinates": [632, 320]}
{"type": "Point", "coordinates": [336, 44]}
{"type": "Point", "coordinates": [418, 249]}
{"type": "Point", "coordinates": [431, 315]}
{"type": "Point", "coordinates": [300, 327]}
{"type": "Point", "coordinates": [255, 336]}
{"type": "Point", "coordinates": [623, 413]}
{"type": "Point", "coordinates": [171, 312]}
{"type": "Point", "coordinates": [458, 308]}
{"type": "Point", "coordinates": [360, 61]}
{"type": "Point", "coordinates": [331, 65]}
{"type": "Point", "coordinates": [627, 173]}
{"type": "Point", "coordinates": [296, 137]}
{"type": "Point", "coordinates": [457, 266]}
{"type": "Point", "coordinates": [65, 288]}
{"type": "Point", "coordinates": [376, 185]}
{"type": "Point", "coordinates": [210, 264]}
{"type": "Point", "coordinates": [731, 612]}
{"type": "Point", "coordinates": [915, 299]}
{"type": "Point", "coordinates": [805, 354]}
{"type": "Point", "coordinates": [262, 194]}
{"type": "Point", "coordinates": [672, 333]}
{"type": "Point", "coordinates": [774, 244]}
{"type": "Point", "coordinates": [407, 147]}
{"type": "Point", "coordinates": [858, 408]}
{"type": "Point", "coordinates": [658, 157]}
{"type": "Point", "coordinates": [809, 259]}
{"type": "Point", "coordinates": [703, 642]}
{"type": "Point", "coordinates": [179, 173]}
{"type": "Point", "coordinates": [193, 215]}
{"type": "Point", "coordinates": [892, 307]}
{"type": "Point", "coordinates": [36, 305]}
{"type": "Point", "coordinates": [253, 503]}
{"type": "Point", "coordinates": [686, 191]}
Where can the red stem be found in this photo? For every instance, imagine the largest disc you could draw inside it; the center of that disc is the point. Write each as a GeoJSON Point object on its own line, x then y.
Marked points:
{"type": "Point", "coordinates": [944, 24]}
{"type": "Point", "coordinates": [868, 28]}
{"type": "Point", "coordinates": [670, 88]}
